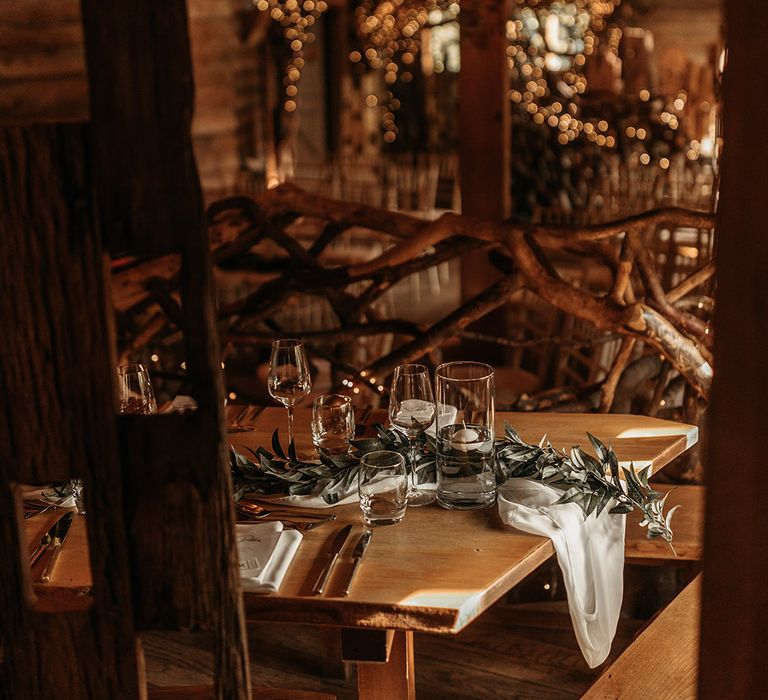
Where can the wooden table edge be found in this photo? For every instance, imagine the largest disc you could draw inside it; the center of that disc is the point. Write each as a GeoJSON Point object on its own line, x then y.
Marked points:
{"type": "Point", "coordinates": [341, 612]}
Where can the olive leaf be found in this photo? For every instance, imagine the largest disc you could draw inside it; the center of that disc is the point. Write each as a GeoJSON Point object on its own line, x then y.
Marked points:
{"type": "Point", "coordinates": [592, 482]}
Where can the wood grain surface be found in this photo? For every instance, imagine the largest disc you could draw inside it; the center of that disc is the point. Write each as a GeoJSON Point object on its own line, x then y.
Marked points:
{"type": "Point", "coordinates": [662, 662]}
{"type": "Point", "coordinates": [437, 570]}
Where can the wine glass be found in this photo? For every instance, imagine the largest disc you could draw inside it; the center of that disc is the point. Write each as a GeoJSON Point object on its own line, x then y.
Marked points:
{"type": "Point", "coordinates": [289, 380]}
{"type": "Point", "coordinates": [135, 389]}
{"type": "Point", "coordinates": [412, 410]}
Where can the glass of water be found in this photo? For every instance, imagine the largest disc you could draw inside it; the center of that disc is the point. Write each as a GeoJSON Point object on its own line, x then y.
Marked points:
{"type": "Point", "coordinates": [383, 487]}
{"type": "Point", "coordinates": [333, 423]}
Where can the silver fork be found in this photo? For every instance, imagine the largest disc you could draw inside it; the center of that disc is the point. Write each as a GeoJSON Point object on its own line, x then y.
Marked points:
{"type": "Point", "coordinates": [259, 512]}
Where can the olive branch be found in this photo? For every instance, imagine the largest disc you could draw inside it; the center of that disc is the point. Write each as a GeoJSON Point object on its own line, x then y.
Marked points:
{"type": "Point", "coordinates": [592, 483]}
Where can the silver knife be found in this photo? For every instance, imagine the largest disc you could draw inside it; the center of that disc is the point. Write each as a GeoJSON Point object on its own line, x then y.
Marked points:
{"type": "Point", "coordinates": [62, 530]}
{"type": "Point", "coordinates": [357, 555]}
{"type": "Point", "coordinates": [45, 540]}
{"type": "Point", "coordinates": [333, 555]}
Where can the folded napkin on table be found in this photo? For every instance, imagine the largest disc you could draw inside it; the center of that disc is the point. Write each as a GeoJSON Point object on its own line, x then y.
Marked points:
{"type": "Point", "coordinates": [265, 552]}
{"type": "Point", "coordinates": [590, 553]}
{"type": "Point", "coordinates": [49, 494]}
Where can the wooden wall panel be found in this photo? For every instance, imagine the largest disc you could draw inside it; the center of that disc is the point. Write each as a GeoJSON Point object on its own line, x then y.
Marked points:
{"type": "Point", "coordinates": [42, 68]}
{"type": "Point", "coordinates": [42, 78]}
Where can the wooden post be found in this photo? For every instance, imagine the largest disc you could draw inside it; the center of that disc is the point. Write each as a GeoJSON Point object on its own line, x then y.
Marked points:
{"type": "Point", "coordinates": [178, 497]}
{"type": "Point", "coordinates": [484, 167]}
{"type": "Point", "coordinates": [56, 376]}
{"type": "Point", "coordinates": [484, 156]}
{"type": "Point", "coordinates": [735, 597]}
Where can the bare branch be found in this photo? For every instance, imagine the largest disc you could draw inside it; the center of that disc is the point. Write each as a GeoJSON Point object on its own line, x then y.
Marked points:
{"type": "Point", "coordinates": [608, 390]}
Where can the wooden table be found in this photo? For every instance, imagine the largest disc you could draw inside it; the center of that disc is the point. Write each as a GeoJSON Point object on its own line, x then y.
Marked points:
{"type": "Point", "coordinates": [436, 571]}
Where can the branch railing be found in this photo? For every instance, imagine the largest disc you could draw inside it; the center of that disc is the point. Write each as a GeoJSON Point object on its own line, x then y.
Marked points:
{"type": "Point", "coordinates": [633, 304]}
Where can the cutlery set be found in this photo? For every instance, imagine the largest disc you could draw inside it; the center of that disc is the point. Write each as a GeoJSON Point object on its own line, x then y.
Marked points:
{"type": "Point", "coordinates": [332, 556]}
{"type": "Point", "coordinates": [253, 511]}
{"type": "Point", "coordinates": [308, 521]}
{"type": "Point", "coordinates": [241, 423]}
{"type": "Point", "coordinates": [46, 553]}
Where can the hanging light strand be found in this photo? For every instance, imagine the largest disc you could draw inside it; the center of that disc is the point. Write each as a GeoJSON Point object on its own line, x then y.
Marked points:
{"type": "Point", "coordinates": [297, 18]}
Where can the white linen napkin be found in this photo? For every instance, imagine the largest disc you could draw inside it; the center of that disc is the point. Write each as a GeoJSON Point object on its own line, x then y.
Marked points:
{"type": "Point", "coordinates": [265, 551]}
{"type": "Point", "coordinates": [590, 553]}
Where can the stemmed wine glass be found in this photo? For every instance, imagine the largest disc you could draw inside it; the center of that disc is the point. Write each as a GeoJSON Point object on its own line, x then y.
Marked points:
{"type": "Point", "coordinates": [412, 410]}
{"type": "Point", "coordinates": [289, 380]}
{"type": "Point", "coordinates": [135, 390]}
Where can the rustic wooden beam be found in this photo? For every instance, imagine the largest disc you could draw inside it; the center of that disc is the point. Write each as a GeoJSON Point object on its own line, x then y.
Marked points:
{"type": "Point", "coordinates": [56, 399]}
{"type": "Point", "coordinates": [484, 122]}
{"type": "Point", "coordinates": [734, 644]}
{"type": "Point", "coordinates": [150, 202]}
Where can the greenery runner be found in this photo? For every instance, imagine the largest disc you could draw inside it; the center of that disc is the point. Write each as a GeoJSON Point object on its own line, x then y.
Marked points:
{"type": "Point", "coordinates": [592, 483]}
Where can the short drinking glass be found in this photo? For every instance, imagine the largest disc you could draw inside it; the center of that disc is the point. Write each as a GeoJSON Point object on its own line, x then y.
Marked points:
{"type": "Point", "coordinates": [382, 487]}
{"type": "Point", "coordinates": [333, 423]}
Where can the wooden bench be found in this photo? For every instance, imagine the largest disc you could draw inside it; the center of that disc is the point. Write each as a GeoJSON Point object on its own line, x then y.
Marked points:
{"type": "Point", "coordinates": [662, 662]}
{"type": "Point", "coordinates": [687, 526]}
{"type": "Point", "coordinates": [206, 692]}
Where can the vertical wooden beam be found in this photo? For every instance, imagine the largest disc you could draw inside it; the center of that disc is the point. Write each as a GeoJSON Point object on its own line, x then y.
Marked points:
{"type": "Point", "coordinates": [484, 153]}
{"type": "Point", "coordinates": [141, 92]}
{"type": "Point", "coordinates": [57, 409]}
{"type": "Point", "coordinates": [735, 597]}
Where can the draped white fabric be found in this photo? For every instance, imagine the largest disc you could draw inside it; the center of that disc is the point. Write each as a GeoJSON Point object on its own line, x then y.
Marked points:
{"type": "Point", "coordinates": [590, 553]}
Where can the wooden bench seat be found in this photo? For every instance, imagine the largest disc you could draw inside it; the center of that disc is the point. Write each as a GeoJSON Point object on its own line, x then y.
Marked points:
{"type": "Point", "coordinates": [662, 662]}
{"type": "Point", "coordinates": [687, 526]}
{"type": "Point", "coordinates": [206, 692]}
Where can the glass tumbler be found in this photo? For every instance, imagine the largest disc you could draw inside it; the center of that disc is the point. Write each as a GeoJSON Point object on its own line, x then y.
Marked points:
{"type": "Point", "coordinates": [465, 394]}
{"type": "Point", "coordinates": [333, 423]}
{"type": "Point", "coordinates": [382, 487]}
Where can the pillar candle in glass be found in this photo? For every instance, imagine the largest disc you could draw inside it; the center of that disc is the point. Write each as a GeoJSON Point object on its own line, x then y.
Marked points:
{"type": "Point", "coordinates": [465, 395]}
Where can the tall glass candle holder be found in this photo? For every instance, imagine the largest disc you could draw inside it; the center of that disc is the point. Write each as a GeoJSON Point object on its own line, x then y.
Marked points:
{"type": "Point", "coordinates": [465, 394]}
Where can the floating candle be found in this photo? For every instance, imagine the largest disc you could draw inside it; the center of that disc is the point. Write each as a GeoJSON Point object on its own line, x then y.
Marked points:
{"type": "Point", "coordinates": [465, 438]}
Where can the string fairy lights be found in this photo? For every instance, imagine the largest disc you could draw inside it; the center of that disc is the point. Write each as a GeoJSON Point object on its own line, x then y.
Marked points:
{"type": "Point", "coordinates": [549, 46]}
{"type": "Point", "coordinates": [391, 34]}
{"type": "Point", "coordinates": [296, 17]}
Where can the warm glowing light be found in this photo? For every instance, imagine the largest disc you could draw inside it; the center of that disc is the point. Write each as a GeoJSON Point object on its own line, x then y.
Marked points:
{"type": "Point", "coordinates": [645, 159]}
{"type": "Point", "coordinates": [154, 358]}
{"type": "Point", "coordinates": [664, 163]}
{"type": "Point", "coordinates": [645, 95]}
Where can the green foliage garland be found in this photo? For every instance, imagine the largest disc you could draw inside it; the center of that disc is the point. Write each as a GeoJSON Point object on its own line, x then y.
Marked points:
{"type": "Point", "coordinates": [592, 483]}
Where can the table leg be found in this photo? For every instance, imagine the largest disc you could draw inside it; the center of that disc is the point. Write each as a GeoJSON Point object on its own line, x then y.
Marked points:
{"type": "Point", "coordinates": [394, 680]}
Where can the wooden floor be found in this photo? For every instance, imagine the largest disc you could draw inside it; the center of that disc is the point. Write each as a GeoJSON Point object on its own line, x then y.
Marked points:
{"type": "Point", "coordinates": [516, 650]}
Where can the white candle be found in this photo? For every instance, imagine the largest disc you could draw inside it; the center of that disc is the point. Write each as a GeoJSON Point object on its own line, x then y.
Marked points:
{"type": "Point", "coordinates": [463, 439]}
